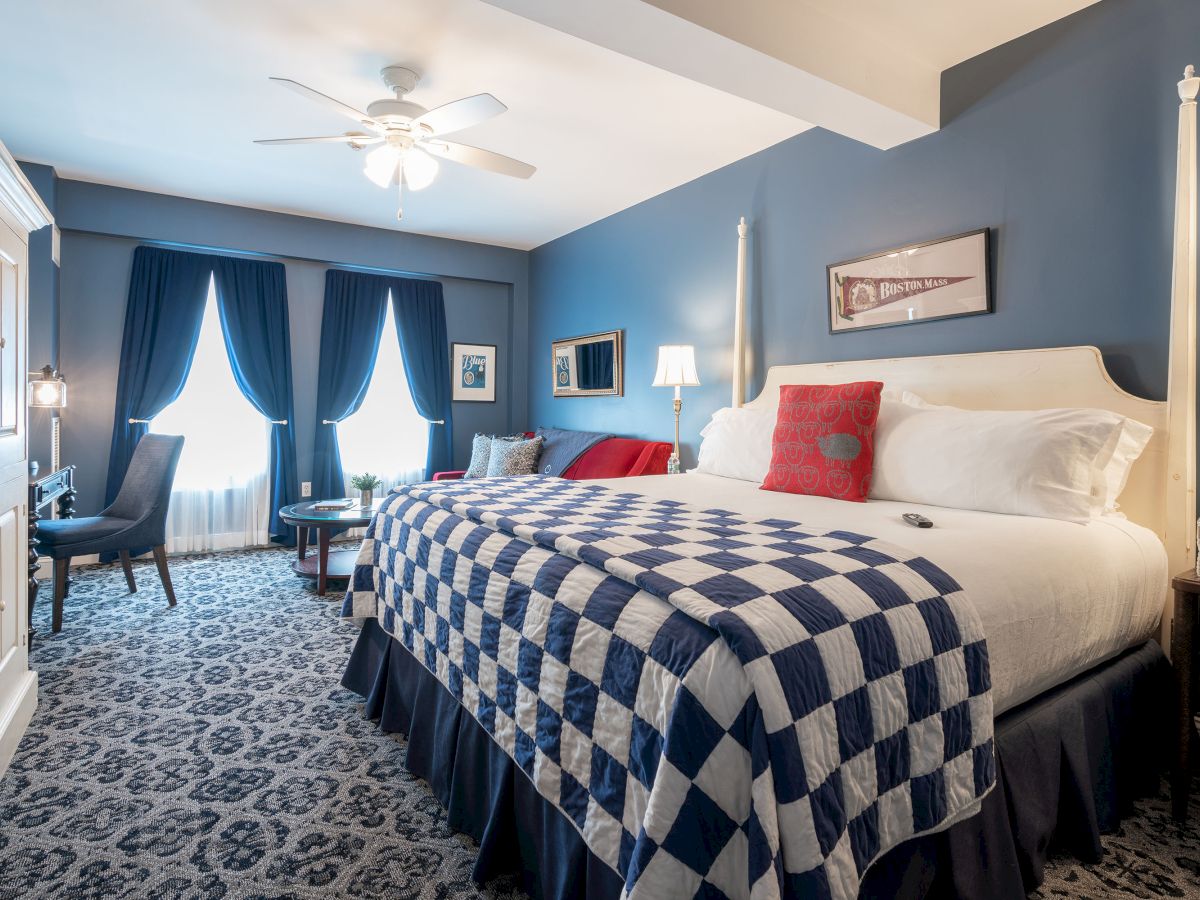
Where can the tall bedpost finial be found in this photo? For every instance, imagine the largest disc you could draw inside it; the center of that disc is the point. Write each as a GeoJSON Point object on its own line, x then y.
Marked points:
{"type": "Point", "coordinates": [739, 319]}
{"type": "Point", "coordinates": [1190, 86]}
{"type": "Point", "coordinates": [1181, 366]}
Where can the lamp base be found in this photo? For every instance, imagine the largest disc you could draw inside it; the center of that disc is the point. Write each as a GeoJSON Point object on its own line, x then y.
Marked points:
{"type": "Point", "coordinates": [673, 464]}
{"type": "Point", "coordinates": [55, 441]}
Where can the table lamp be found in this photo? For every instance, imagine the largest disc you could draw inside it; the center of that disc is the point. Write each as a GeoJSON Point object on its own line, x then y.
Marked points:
{"type": "Point", "coordinates": [676, 368]}
{"type": "Point", "coordinates": [48, 390]}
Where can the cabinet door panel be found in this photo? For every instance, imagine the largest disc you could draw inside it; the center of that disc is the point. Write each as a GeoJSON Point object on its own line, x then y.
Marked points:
{"type": "Point", "coordinates": [12, 584]}
{"type": "Point", "coordinates": [12, 354]}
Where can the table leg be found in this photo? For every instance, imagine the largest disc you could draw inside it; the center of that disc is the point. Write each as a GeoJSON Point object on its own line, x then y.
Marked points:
{"type": "Point", "coordinates": [33, 568]}
{"type": "Point", "coordinates": [1182, 647]}
{"type": "Point", "coordinates": [301, 542]}
{"type": "Point", "coordinates": [66, 510]}
{"type": "Point", "coordinates": [322, 559]}
{"type": "Point", "coordinates": [66, 504]}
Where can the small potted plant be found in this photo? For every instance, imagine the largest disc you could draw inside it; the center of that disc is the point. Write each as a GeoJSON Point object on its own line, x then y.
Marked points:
{"type": "Point", "coordinates": [365, 484]}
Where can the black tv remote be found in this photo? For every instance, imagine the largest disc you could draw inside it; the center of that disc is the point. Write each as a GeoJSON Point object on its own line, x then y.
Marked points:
{"type": "Point", "coordinates": [917, 520]}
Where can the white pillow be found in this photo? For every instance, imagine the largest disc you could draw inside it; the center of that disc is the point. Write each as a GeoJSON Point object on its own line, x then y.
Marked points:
{"type": "Point", "coordinates": [1022, 462]}
{"type": "Point", "coordinates": [737, 443]}
{"type": "Point", "coordinates": [1128, 446]}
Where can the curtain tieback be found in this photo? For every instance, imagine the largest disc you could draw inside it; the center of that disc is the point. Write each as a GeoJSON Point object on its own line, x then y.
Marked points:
{"type": "Point", "coordinates": [329, 421]}
{"type": "Point", "coordinates": [277, 421]}
{"type": "Point", "coordinates": [436, 421]}
{"type": "Point", "coordinates": [139, 421]}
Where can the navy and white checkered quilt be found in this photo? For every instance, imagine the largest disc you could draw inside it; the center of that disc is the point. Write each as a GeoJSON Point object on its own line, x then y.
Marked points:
{"type": "Point", "coordinates": [722, 707]}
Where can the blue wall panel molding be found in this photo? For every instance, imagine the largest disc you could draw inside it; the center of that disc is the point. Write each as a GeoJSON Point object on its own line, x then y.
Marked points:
{"type": "Point", "coordinates": [1063, 141]}
{"type": "Point", "coordinates": [486, 294]}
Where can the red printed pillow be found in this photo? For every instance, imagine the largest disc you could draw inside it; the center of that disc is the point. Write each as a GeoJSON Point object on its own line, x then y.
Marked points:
{"type": "Point", "coordinates": [824, 441]}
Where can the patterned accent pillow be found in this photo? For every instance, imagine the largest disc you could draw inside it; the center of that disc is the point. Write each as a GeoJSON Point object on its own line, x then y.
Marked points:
{"type": "Point", "coordinates": [481, 448]}
{"type": "Point", "coordinates": [514, 457]}
{"type": "Point", "coordinates": [481, 451]}
{"type": "Point", "coordinates": [824, 440]}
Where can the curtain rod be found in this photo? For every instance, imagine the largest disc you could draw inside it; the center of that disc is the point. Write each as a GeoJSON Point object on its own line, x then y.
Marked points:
{"type": "Point", "coordinates": [279, 257]}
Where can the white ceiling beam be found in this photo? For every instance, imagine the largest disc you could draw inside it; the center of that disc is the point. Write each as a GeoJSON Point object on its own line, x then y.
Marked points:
{"type": "Point", "coordinates": [784, 54]}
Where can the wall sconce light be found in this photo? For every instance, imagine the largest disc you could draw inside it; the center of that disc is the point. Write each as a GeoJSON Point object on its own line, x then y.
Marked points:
{"type": "Point", "coordinates": [47, 389]}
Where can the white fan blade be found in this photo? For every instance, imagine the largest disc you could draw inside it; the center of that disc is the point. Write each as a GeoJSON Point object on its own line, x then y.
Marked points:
{"type": "Point", "coordinates": [349, 111]}
{"type": "Point", "coordinates": [480, 159]}
{"type": "Point", "coordinates": [331, 139]}
{"type": "Point", "coordinates": [460, 114]}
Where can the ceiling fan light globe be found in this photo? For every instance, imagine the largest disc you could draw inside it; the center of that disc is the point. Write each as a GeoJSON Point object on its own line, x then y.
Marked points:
{"type": "Point", "coordinates": [381, 165]}
{"type": "Point", "coordinates": [420, 170]}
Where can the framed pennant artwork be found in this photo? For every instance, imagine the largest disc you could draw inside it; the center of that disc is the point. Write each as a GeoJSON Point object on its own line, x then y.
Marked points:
{"type": "Point", "coordinates": [473, 372]}
{"type": "Point", "coordinates": [939, 279]}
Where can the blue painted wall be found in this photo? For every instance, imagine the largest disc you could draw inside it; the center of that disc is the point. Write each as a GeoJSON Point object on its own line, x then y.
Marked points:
{"type": "Point", "coordinates": [486, 290]}
{"type": "Point", "coordinates": [43, 305]}
{"type": "Point", "coordinates": [1063, 141]}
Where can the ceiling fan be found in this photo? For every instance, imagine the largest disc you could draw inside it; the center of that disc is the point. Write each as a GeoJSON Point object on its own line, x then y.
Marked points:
{"type": "Point", "coordinates": [409, 135]}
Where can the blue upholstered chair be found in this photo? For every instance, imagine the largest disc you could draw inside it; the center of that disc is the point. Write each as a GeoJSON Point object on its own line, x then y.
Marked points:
{"type": "Point", "coordinates": [136, 519]}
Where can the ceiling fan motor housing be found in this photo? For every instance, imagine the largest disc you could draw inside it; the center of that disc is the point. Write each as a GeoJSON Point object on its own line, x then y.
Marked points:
{"type": "Point", "coordinates": [395, 112]}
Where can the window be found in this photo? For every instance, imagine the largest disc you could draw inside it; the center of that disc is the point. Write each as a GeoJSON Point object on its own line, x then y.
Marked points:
{"type": "Point", "coordinates": [220, 497]}
{"type": "Point", "coordinates": [387, 436]}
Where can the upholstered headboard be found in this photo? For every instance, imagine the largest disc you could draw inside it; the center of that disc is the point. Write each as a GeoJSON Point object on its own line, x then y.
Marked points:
{"type": "Point", "coordinates": [1014, 379]}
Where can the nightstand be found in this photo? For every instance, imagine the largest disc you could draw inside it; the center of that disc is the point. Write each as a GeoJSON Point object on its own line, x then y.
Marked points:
{"type": "Point", "coordinates": [1183, 654]}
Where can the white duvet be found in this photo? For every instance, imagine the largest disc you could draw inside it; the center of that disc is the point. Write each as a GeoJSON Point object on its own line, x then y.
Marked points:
{"type": "Point", "coordinates": [1056, 598]}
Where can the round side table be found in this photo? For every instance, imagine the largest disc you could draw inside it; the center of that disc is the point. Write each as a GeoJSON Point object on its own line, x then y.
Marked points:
{"type": "Point", "coordinates": [325, 564]}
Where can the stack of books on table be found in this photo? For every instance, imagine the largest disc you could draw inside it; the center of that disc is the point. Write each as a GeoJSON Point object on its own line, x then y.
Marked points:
{"type": "Point", "coordinates": [344, 503]}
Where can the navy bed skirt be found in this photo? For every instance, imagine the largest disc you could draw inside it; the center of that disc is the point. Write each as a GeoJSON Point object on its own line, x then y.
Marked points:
{"type": "Point", "coordinates": [1070, 763]}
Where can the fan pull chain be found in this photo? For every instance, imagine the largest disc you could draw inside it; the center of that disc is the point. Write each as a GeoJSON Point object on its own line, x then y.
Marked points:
{"type": "Point", "coordinates": [400, 193]}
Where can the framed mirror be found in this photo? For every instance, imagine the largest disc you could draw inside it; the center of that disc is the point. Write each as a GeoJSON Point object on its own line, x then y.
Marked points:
{"type": "Point", "coordinates": [589, 366]}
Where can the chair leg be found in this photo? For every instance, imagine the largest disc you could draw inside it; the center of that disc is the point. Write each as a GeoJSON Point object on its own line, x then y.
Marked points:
{"type": "Point", "coordinates": [60, 593]}
{"type": "Point", "coordinates": [128, 567]}
{"type": "Point", "coordinates": [160, 560]}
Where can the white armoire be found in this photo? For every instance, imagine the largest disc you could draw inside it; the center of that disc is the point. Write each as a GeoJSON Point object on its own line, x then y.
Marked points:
{"type": "Point", "coordinates": [21, 211]}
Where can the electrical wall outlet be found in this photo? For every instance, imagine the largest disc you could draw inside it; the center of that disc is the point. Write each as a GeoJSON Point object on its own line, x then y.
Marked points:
{"type": "Point", "coordinates": [306, 489]}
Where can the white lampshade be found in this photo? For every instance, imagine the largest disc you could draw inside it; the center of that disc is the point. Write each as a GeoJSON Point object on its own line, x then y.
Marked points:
{"type": "Point", "coordinates": [676, 366]}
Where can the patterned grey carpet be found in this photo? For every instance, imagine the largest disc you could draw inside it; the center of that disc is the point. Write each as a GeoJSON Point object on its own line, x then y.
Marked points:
{"type": "Point", "coordinates": [208, 752]}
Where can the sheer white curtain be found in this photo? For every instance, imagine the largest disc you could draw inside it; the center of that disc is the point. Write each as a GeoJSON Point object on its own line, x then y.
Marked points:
{"type": "Point", "coordinates": [387, 436]}
{"type": "Point", "coordinates": [220, 498]}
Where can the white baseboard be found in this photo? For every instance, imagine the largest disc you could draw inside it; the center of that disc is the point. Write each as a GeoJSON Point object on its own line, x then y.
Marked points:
{"type": "Point", "coordinates": [46, 564]}
{"type": "Point", "coordinates": [45, 570]}
{"type": "Point", "coordinates": [15, 718]}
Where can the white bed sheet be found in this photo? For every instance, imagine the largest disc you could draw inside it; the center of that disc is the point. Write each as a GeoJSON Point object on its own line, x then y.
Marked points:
{"type": "Point", "coordinates": [1056, 598]}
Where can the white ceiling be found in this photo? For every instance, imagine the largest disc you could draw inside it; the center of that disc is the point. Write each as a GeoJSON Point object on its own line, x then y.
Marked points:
{"type": "Point", "coordinates": [168, 96]}
{"type": "Point", "coordinates": [944, 33]}
{"type": "Point", "coordinates": [867, 69]}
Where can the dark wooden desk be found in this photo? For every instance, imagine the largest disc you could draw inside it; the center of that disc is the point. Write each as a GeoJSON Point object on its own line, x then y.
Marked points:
{"type": "Point", "coordinates": [57, 486]}
{"type": "Point", "coordinates": [1183, 656]}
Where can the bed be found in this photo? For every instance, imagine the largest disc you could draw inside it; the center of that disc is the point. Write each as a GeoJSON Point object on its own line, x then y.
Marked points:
{"type": "Point", "coordinates": [484, 605]}
{"type": "Point", "coordinates": [1067, 611]}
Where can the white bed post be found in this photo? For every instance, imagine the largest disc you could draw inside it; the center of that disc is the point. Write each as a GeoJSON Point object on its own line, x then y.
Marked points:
{"type": "Point", "coordinates": [739, 320]}
{"type": "Point", "coordinates": [1180, 534]}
